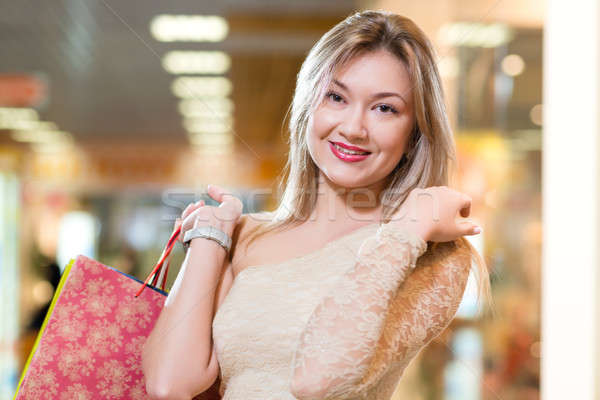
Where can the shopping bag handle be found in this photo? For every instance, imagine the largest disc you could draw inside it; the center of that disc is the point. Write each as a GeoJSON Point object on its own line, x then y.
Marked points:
{"type": "Point", "coordinates": [165, 256]}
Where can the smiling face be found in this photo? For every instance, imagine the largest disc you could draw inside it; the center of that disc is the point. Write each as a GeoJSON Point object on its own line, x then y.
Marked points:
{"type": "Point", "coordinates": [368, 107]}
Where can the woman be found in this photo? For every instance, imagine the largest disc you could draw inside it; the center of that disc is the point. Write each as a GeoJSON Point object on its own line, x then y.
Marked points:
{"type": "Point", "coordinates": [363, 262]}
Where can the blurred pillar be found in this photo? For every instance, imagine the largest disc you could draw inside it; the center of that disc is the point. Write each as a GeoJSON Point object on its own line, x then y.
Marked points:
{"type": "Point", "coordinates": [9, 283]}
{"type": "Point", "coordinates": [571, 183]}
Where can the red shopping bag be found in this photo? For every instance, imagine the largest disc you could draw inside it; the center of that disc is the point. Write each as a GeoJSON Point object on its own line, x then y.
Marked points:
{"type": "Point", "coordinates": [90, 344]}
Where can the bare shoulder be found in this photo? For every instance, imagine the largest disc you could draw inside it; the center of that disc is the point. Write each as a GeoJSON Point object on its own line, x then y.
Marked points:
{"type": "Point", "coordinates": [246, 225]}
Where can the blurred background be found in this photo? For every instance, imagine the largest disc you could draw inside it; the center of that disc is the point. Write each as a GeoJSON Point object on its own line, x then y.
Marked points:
{"type": "Point", "coordinates": [115, 115]}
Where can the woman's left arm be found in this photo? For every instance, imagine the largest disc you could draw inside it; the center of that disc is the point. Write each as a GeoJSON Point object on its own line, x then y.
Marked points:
{"type": "Point", "coordinates": [339, 340]}
{"type": "Point", "coordinates": [335, 357]}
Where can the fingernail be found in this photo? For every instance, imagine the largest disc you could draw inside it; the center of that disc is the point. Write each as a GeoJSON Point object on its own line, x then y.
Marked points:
{"type": "Point", "coordinates": [477, 229]}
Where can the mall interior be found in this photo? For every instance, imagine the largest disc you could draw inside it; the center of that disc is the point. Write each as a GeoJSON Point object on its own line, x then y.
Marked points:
{"type": "Point", "coordinates": [115, 115]}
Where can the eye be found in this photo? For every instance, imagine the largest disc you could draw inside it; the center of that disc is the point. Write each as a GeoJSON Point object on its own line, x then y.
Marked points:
{"type": "Point", "coordinates": [387, 107]}
{"type": "Point", "coordinates": [334, 96]}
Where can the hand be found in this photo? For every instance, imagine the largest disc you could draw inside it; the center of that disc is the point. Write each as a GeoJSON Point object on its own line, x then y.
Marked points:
{"type": "Point", "coordinates": [224, 217]}
{"type": "Point", "coordinates": [432, 214]}
{"type": "Point", "coordinates": [186, 212]}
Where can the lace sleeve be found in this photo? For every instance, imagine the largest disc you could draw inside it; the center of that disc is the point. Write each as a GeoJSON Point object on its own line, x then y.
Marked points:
{"type": "Point", "coordinates": [423, 307]}
{"type": "Point", "coordinates": [339, 341]}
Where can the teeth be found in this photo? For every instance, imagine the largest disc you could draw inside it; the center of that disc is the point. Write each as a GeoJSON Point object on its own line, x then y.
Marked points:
{"type": "Point", "coordinates": [349, 152]}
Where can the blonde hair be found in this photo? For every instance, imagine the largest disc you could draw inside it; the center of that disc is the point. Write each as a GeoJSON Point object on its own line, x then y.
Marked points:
{"type": "Point", "coordinates": [430, 155]}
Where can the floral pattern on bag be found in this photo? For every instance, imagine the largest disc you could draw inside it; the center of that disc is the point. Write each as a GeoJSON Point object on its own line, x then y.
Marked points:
{"type": "Point", "coordinates": [92, 343]}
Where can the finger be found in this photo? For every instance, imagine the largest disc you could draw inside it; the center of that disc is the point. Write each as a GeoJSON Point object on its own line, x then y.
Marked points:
{"type": "Point", "coordinates": [215, 192]}
{"type": "Point", "coordinates": [475, 229]}
{"type": "Point", "coordinates": [465, 207]}
{"type": "Point", "coordinates": [186, 210]}
{"type": "Point", "coordinates": [191, 208]}
{"type": "Point", "coordinates": [186, 224]}
{"type": "Point", "coordinates": [468, 227]}
{"type": "Point", "coordinates": [195, 215]}
{"type": "Point", "coordinates": [234, 203]}
{"type": "Point", "coordinates": [220, 194]}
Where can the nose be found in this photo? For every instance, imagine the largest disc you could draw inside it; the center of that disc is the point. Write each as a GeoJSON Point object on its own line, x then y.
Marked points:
{"type": "Point", "coordinates": [353, 127]}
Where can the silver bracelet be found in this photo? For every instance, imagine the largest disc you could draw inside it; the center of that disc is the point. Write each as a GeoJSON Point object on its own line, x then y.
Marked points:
{"type": "Point", "coordinates": [208, 232]}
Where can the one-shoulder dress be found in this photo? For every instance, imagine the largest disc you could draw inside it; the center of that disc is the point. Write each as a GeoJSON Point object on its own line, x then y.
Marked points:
{"type": "Point", "coordinates": [341, 322]}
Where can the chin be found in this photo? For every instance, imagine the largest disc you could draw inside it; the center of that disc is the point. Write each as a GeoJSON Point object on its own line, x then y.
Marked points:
{"type": "Point", "coordinates": [346, 180]}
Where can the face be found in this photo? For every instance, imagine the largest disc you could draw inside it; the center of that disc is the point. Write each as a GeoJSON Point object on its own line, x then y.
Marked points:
{"type": "Point", "coordinates": [368, 108]}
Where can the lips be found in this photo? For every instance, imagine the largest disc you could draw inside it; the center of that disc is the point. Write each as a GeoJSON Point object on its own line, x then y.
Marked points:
{"type": "Point", "coordinates": [350, 147]}
{"type": "Point", "coordinates": [342, 155]}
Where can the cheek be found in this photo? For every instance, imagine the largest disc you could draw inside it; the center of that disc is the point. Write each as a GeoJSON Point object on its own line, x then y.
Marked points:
{"type": "Point", "coordinates": [394, 140]}
{"type": "Point", "coordinates": [313, 137]}
{"type": "Point", "coordinates": [322, 123]}
{"type": "Point", "coordinates": [396, 136]}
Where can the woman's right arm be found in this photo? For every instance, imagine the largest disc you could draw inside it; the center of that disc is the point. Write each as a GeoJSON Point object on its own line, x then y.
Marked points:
{"type": "Point", "coordinates": [178, 358]}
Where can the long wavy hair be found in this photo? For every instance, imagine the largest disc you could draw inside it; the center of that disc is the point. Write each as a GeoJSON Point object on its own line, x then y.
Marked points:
{"type": "Point", "coordinates": [430, 157]}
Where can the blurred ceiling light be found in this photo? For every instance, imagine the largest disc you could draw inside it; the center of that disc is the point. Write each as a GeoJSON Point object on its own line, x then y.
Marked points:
{"type": "Point", "coordinates": [42, 136]}
{"type": "Point", "coordinates": [196, 62]}
{"type": "Point", "coordinates": [200, 125]}
{"type": "Point", "coordinates": [209, 124]}
{"type": "Point", "coordinates": [24, 124]}
{"type": "Point", "coordinates": [210, 139]}
{"type": "Point", "coordinates": [209, 107]}
{"type": "Point", "coordinates": [14, 113]}
{"type": "Point", "coordinates": [189, 28]}
{"type": "Point", "coordinates": [212, 150]}
{"type": "Point", "coordinates": [52, 148]}
{"type": "Point", "coordinates": [448, 67]}
{"type": "Point", "coordinates": [201, 86]}
{"type": "Point", "coordinates": [513, 65]}
{"type": "Point", "coordinates": [472, 34]}
{"type": "Point", "coordinates": [536, 114]}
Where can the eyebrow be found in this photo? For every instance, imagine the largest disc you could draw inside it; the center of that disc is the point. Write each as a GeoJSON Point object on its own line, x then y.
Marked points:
{"type": "Point", "coordinates": [375, 96]}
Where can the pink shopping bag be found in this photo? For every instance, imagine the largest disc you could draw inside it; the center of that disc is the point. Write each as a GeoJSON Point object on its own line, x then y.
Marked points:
{"type": "Point", "coordinates": [90, 344]}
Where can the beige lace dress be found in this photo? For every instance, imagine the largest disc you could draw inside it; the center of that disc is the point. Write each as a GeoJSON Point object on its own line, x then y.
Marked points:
{"type": "Point", "coordinates": [341, 322]}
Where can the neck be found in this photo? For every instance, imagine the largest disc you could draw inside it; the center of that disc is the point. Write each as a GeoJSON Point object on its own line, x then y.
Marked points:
{"type": "Point", "coordinates": [346, 206]}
